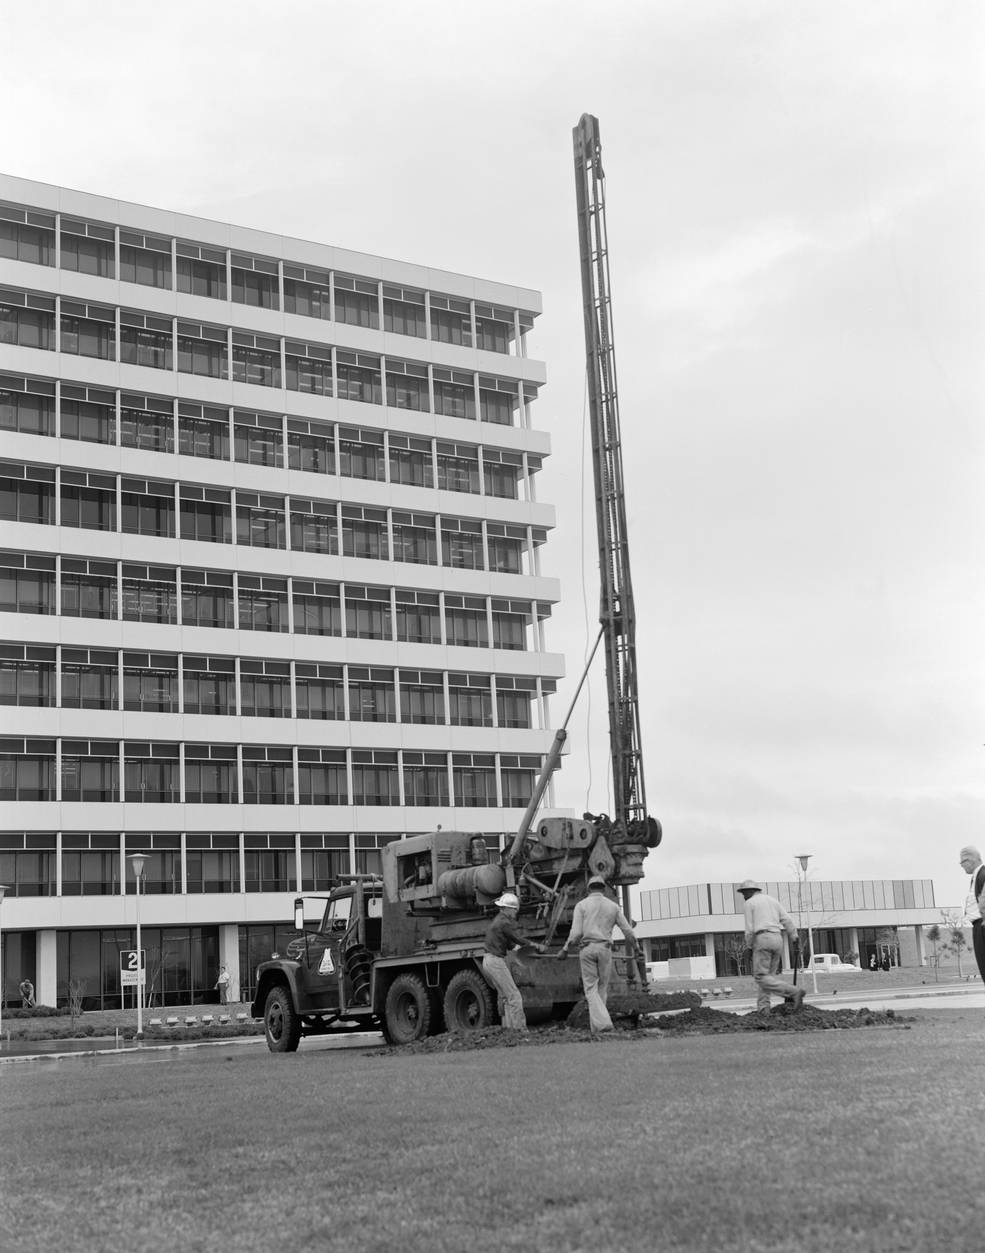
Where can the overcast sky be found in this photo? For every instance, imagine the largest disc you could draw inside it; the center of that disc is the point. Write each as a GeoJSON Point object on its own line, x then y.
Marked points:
{"type": "Point", "coordinates": [795, 208]}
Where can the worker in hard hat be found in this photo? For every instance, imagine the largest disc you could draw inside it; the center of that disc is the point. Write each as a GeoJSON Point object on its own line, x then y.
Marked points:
{"type": "Point", "coordinates": [592, 924]}
{"type": "Point", "coordinates": [766, 920]}
{"type": "Point", "coordinates": [502, 937]}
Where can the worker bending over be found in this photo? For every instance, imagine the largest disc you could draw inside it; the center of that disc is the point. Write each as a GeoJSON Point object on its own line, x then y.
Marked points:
{"type": "Point", "coordinates": [591, 927]}
{"type": "Point", "coordinates": [502, 937]}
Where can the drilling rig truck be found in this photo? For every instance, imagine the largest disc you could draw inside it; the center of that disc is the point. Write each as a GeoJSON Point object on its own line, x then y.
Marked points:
{"type": "Point", "coordinates": [402, 953]}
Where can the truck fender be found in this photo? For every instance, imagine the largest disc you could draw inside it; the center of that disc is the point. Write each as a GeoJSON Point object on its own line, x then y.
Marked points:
{"type": "Point", "coordinates": [274, 974]}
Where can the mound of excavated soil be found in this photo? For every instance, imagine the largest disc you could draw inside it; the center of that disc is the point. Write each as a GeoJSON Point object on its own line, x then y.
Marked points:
{"type": "Point", "coordinates": [780, 1018]}
{"type": "Point", "coordinates": [699, 1021]}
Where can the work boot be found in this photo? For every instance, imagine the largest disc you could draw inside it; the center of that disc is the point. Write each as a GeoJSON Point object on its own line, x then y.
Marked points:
{"type": "Point", "coordinates": [798, 999]}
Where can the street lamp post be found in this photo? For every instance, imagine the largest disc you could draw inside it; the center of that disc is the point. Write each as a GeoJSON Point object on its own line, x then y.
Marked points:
{"type": "Point", "coordinates": [804, 858]}
{"type": "Point", "coordinates": [3, 892]}
{"type": "Point", "coordinates": [138, 861]}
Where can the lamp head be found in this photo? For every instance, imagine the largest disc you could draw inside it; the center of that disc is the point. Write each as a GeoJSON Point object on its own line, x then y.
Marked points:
{"type": "Point", "coordinates": [804, 858]}
{"type": "Point", "coordinates": [138, 861]}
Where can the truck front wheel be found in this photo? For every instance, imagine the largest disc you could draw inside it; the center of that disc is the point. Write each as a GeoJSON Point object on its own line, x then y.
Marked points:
{"type": "Point", "coordinates": [468, 1002]}
{"type": "Point", "coordinates": [408, 1010]}
{"type": "Point", "coordinates": [281, 1023]}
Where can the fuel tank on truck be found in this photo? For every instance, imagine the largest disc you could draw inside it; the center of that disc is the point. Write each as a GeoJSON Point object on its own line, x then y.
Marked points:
{"type": "Point", "coordinates": [475, 885]}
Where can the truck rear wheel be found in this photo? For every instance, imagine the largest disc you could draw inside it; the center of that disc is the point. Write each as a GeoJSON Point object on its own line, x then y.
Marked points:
{"type": "Point", "coordinates": [281, 1023]}
{"type": "Point", "coordinates": [407, 1010]}
{"type": "Point", "coordinates": [468, 1002]}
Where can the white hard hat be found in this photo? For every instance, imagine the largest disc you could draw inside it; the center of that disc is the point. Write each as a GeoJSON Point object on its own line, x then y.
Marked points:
{"type": "Point", "coordinates": [508, 901]}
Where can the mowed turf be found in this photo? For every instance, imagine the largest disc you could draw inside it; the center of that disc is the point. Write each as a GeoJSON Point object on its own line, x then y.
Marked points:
{"type": "Point", "coordinates": [866, 1139]}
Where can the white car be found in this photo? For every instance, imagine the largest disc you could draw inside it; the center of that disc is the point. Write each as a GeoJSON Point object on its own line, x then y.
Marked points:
{"type": "Point", "coordinates": [831, 964]}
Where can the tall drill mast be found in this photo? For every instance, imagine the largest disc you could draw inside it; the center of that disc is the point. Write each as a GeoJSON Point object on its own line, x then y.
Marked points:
{"type": "Point", "coordinates": [631, 824]}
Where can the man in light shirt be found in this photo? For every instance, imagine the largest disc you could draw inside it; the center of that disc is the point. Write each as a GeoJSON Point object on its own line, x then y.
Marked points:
{"type": "Point", "coordinates": [591, 928]}
{"type": "Point", "coordinates": [971, 863]}
{"type": "Point", "coordinates": [766, 920]}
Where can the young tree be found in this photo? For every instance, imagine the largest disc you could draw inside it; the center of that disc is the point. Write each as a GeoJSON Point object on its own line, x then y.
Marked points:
{"type": "Point", "coordinates": [955, 942]}
{"type": "Point", "coordinates": [76, 997]}
{"type": "Point", "coordinates": [934, 936]}
{"type": "Point", "coordinates": [736, 951]}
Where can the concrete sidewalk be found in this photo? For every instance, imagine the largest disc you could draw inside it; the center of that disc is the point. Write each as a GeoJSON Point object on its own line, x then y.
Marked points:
{"type": "Point", "coordinates": [922, 996]}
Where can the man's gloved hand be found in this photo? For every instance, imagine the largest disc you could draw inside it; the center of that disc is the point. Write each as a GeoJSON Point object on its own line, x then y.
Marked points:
{"type": "Point", "coordinates": [563, 952]}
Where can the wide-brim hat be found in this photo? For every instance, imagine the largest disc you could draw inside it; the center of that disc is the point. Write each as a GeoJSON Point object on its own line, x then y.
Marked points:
{"type": "Point", "coordinates": [749, 885]}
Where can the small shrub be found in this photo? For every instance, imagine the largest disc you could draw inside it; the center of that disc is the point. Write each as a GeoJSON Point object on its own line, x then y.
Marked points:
{"type": "Point", "coordinates": [78, 1032]}
{"type": "Point", "coordinates": [39, 1011]}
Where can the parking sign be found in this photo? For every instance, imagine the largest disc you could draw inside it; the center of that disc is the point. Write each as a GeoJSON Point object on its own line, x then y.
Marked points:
{"type": "Point", "coordinates": [132, 967]}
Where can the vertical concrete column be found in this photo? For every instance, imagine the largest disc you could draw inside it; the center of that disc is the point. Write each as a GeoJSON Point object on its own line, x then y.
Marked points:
{"type": "Point", "coordinates": [46, 974]}
{"type": "Point", "coordinates": [918, 938]}
{"type": "Point", "coordinates": [229, 957]}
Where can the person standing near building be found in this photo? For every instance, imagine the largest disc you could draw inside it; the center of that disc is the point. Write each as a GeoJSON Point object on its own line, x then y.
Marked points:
{"type": "Point", "coordinates": [971, 864]}
{"type": "Point", "coordinates": [503, 936]}
{"type": "Point", "coordinates": [591, 926]}
{"type": "Point", "coordinates": [222, 985]}
{"type": "Point", "coordinates": [766, 920]}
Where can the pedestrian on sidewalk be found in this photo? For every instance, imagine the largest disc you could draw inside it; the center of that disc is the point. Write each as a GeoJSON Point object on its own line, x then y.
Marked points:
{"type": "Point", "coordinates": [766, 920]}
{"type": "Point", "coordinates": [971, 863]}
{"type": "Point", "coordinates": [592, 923]}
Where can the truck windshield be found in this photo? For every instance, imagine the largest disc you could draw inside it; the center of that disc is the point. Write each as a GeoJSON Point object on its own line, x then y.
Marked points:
{"type": "Point", "coordinates": [338, 913]}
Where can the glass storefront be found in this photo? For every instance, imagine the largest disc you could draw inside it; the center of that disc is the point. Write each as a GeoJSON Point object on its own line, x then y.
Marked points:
{"type": "Point", "coordinates": [182, 966]}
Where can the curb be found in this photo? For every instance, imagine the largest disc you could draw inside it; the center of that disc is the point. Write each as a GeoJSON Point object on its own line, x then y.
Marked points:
{"type": "Point", "coordinates": [171, 1046]}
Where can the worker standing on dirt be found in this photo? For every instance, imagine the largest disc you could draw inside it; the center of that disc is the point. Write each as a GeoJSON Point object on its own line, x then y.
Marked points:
{"type": "Point", "coordinates": [591, 926]}
{"type": "Point", "coordinates": [971, 863]}
{"type": "Point", "coordinates": [766, 920]}
{"type": "Point", "coordinates": [502, 936]}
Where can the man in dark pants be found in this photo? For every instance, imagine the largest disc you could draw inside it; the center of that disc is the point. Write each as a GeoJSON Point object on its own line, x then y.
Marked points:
{"type": "Point", "coordinates": [971, 863]}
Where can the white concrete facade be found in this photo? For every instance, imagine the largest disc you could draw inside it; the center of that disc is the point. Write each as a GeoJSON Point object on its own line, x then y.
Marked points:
{"type": "Point", "coordinates": [366, 430]}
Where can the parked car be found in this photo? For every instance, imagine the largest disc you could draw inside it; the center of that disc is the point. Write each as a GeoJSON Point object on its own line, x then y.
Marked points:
{"type": "Point", "coordinates": [831, 964]}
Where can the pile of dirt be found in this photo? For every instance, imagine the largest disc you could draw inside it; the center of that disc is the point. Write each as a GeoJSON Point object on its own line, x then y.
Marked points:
{"type": "Point", "coordinates": [693, 1021]}
{"type": "Point", "coordinates": [780, 1018]}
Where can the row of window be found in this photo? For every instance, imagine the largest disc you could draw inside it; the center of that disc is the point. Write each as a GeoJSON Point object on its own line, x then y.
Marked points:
{"type": "Point", "coordinates": [57, 324]}
{"type": "Point", "coordinates": [37, 769]}
{"type": "Point", "coordinates": [821, 896]}
{"type": "Point", "coordinates": [40, 238]}
{"type": "Point", "coordinates": [42, 863]}
{"type": "Point", "coordinates": [35, 675]}
{"type": "Point", "coordinates": [39, 583]}
{"type": "Point", "coordinates": [156, 424]}
{"type": "Point", "coordinates": [93, 500]}
{"type": "Point", "coordinates": [77, 863]}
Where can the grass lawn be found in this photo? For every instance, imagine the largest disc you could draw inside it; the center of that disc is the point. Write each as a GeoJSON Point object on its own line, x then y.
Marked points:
{"type": "Point", "coordinates": [808, 1143]}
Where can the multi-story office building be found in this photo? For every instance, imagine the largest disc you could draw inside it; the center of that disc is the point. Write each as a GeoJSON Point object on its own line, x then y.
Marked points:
{"type": "Point", "coordinates": [270, 582]}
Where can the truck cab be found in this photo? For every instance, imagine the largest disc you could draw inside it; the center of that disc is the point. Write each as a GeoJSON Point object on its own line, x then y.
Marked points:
{"type": "Point", "coordinates": [323, 982]}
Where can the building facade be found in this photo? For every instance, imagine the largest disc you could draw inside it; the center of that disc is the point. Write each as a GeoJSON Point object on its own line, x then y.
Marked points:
{"type": "Point", "coordinates": [271, 589]}
{"type": "Point", "coordinates": [699, 929]}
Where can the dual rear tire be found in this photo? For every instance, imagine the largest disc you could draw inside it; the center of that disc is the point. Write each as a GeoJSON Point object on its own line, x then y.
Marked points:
{"type": "Point", "coordinates": [411, 1012]}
